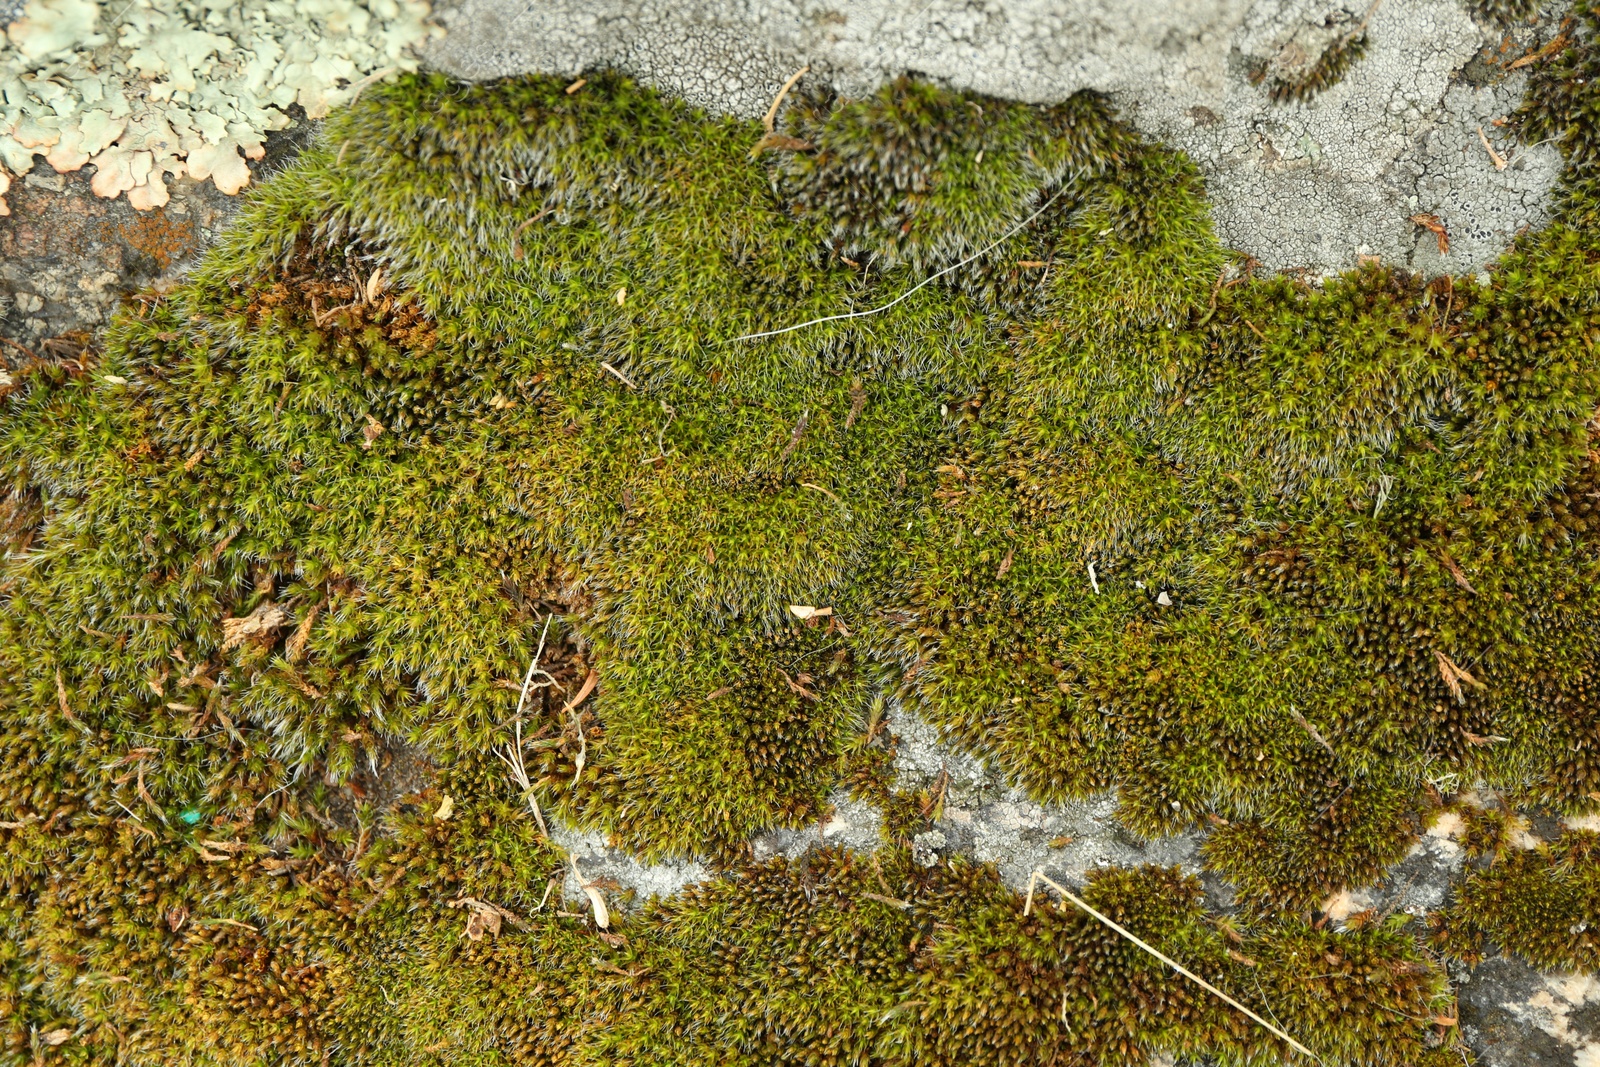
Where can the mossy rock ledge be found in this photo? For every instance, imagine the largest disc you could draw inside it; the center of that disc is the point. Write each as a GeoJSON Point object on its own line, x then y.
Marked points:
{"type": "Point", "coordinates": [512, 374]}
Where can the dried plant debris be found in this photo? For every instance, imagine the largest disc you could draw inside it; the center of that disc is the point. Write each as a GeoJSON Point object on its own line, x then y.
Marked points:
{"type": "Point", "coordinates": [1273, 562]}
{"type": "Point", "coordinates": [154, 89]}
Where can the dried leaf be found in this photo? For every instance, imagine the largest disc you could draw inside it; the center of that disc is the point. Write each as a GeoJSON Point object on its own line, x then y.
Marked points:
{"type": "Point", "coordinates": [1435, 226]}
{"type": "Point", "coordinates": [262, 622]}
{"type": "Point", "coordinates": [590, 680]}
{"type": "Point", "coordinates": [798, 685]}
{"type": "Point", "coordinates": [56, 1037]}
{"type": "Point", "coordinates": [1454, 675]}
{"type": "Point", "coordinates": [1480, 740]}
{"type": "Point", "coordinates": [1561, 41]}
{"type": "Point", "coordinates": [296, 646]}
{"type": "Point", "coordinates": [1494, 157]}
{"type": "Point", "coordinates": [770, 119]}
{"type": "Point", "coordinates": [371, 432]}
{"type": "Point", "coordinates": [795, 437]}
{"type": "Point", "coordinates": [781, 142]}
{"type": "Point", "coordinates": [805, 612]}
{"type": "Point", "coordinates": [602, 915]}
{"type": "Point", "coordinates": [858, 401]}
{"type": "Point", "coordinates": [447, 808]}
{"type": "Point", "coordinates": [1456, 572]}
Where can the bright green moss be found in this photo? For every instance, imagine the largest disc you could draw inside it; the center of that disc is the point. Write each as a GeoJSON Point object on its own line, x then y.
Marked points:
{"type": "Point", "coordinates": [472, 379]}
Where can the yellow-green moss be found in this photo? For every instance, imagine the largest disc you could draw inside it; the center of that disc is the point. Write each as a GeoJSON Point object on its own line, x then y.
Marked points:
{"type": "Point", "coordinates": [472, 378]}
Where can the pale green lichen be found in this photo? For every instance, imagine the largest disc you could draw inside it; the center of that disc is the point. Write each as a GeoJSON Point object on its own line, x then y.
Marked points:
{"type": "Point", "coordinates": [158, 88]}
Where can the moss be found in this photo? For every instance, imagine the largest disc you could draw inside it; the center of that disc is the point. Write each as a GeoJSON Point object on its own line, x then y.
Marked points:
{"type": "Point", "coordinates": [1504, 12]}
{"type": "Point", "coordinates": [1329, 68]}
{"type": "Point", "coordinates": [1539, 903]}
{"type": "Point", "coordinates": [471, 386]}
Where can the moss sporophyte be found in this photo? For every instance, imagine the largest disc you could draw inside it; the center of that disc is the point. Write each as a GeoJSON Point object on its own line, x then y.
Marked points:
{"type": "Point", "coordinates": [499, 374]}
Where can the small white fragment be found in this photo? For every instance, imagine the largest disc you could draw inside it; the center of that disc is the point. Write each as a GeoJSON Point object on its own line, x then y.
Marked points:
{"type": "Point", "coordinates": [447, 808]}
{"type": "Point", "coordinates": [1163, 599]}
{"type": "Point", "coordinates": [1094, 582]}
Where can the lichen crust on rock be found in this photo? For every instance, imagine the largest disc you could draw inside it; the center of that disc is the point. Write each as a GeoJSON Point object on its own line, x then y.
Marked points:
{"type": "Point", "coordinates": [152, 89]}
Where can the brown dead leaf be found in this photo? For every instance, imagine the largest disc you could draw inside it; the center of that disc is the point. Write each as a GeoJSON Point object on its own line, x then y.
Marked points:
{"type": "Point", "coordinates": [262, 622]}
{"type": "Point", "coordinates": [66, 709]}
{"type": "Point", "coordinates": [481, 922]}
{"type": "Point", "coordinates": [1456, 572]}
{"type": "Point", "coordinates": [1561, 41]}
{"type": "Point", "coordinates": [795, 437]}
{"type": "Point", "coordinates": [770, 119]}
{"type": "Point", "coordinates": [1480, 740]}
{"type": "Point", "coordinates": [296, 646]}
{"type": "Point", "coordinates": [1434, 225]}
{"type": "Point", "coordinates": [780, 142]}
{"type": "Point", "coordinates": [858, 402]}
{"type": "Point", "coordinates": [371, 432]}
{"type": "Point", "coordinates": [485, 917]}
{"type": "Point", "coordinates": [1494, 157]}
{"type": "Point", "coordinates": [1454, 675]}
{"type": "Point", "coordinates": [797, 685]}
{"type": "Point", "coordinates": [590, 680]}
{"type": "Point", "coordinates": [1005, 564]}
{"type": "Point", "coordinates": [56, 1037]}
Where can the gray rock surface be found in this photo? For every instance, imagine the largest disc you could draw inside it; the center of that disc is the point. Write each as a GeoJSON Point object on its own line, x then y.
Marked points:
{"type": "Point", "coordinates": [1311, 186]}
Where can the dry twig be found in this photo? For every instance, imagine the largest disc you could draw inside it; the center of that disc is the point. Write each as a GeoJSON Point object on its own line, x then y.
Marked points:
{"type": "Point", "coordinates": [1039, 876]}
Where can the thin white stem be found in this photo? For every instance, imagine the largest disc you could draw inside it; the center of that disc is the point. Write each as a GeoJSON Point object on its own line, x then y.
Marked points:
{"type": "Point", "coordinates": [1039, 876]}
{"type": "Point", "coordinates": [1018, 228]}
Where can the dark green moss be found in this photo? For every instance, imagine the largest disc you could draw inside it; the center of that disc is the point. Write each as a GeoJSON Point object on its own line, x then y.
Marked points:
{"type": "Point", "coordinates": [1327, 69]}
{"type": "Point", "coordinates": [1543, 904]}
{"type": "Point", "coordinates": [1504, 12]}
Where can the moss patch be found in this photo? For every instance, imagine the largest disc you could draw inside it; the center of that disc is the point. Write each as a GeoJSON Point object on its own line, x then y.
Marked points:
{"type": "Point", "coordinates": [473, 384]}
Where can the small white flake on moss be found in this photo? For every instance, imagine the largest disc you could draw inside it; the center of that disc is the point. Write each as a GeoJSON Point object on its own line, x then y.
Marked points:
{"type": "Point", "coordinates": [145, 90]}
